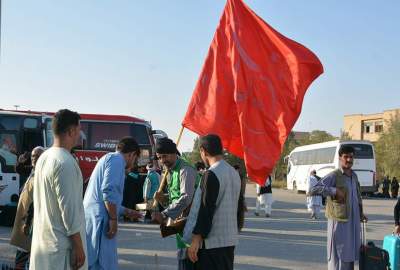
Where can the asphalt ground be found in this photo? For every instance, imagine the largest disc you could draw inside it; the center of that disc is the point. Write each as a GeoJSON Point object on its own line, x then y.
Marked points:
{"type": "Point", "coordinates": [286, 240]}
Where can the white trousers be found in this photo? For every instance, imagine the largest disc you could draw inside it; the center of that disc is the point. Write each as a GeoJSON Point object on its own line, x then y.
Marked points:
{"type": "Point", "coordinates": [264, 202]}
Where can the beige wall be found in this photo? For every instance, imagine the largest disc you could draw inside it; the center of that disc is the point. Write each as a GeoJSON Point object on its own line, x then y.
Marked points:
{"type": "Point", "coordinates": [352, 125]}
{"type": "Point", "coordinates": [356, 124]}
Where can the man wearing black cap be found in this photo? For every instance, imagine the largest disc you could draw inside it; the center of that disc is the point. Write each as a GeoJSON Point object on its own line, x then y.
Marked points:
{"type": "Point", "coordinates": [180, 178]}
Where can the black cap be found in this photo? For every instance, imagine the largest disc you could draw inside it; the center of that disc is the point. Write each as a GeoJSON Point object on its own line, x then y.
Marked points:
{"type": "Point", "coordinates": [166, 146]}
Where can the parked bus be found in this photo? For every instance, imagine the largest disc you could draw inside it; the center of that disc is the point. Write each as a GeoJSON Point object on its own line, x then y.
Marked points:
{"type": "Point", "coordinates": [324, 158]}
{"type": "Point", "coordinates": [22, 131]}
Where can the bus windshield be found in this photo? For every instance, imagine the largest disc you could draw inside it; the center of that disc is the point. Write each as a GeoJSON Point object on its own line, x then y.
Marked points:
{"type": "Point", "coordinates": [362, 151]}
{"type": "Point", "coordinates": [104, 136]}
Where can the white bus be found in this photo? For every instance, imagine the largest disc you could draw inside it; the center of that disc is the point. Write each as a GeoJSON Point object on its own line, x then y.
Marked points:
{"type": "Point", "coordinates": [324, 158]}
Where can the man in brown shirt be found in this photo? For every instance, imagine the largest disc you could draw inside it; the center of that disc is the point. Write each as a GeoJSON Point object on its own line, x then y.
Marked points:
{"type": "Point", "coordinates": [21, 236]}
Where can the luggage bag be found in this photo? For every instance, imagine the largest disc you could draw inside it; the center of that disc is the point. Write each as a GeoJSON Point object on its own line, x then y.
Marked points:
{"type": "Point", "coordinates": [371, 256]}
{"type": "Point", "coordinates": [391, 243]}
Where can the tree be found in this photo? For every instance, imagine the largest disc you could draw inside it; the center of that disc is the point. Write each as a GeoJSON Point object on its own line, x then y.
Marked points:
{"type": "Point", "coordinates": [345, 136]}
{"type": "Point", "coordinates": [195, 154]}
{"type": "Point", "coordinates": [317, 136]}
{"type": "Point", "coordinates": [231, 159]}
{"type": "Point", "coordinates": [387, 150]}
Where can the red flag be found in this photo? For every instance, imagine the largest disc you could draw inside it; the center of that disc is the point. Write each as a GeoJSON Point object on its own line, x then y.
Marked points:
{"type": "Point", "coordinates": [251, 88]}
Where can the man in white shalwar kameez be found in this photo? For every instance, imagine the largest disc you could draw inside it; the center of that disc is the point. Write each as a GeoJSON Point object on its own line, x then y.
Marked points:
{"type": "Point", "coordinates": [59, 238]}
{"type": "Point", "coordinates": [264, 197]}
{"type": "Point", "coordinates": [314, 203]}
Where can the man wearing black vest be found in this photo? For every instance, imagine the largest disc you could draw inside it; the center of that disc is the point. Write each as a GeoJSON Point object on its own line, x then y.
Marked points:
{"type": "Point", "coordinates": [344, 212]}
{"type": "Point", "coordinates": [215, 234]}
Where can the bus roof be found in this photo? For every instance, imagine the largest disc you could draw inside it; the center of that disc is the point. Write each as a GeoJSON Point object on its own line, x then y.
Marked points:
{"type": "Point", "coordinates": [84, 116]}
{"type": "Point", "coordinates": [328, 144]}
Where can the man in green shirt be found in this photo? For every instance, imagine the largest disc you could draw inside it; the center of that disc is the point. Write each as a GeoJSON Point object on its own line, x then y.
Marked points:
{"type": "Point", "coordinates": [179, 178]}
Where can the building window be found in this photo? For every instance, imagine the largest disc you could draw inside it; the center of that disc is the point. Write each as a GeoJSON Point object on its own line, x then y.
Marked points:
{"type": "Point", "coordinates": [368, 128]}
{"type": "Point", "coordinates": [379, 127]}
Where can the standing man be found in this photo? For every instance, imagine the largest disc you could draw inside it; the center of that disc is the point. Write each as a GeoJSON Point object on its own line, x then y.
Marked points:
{"type": "Point", "coordinates": [394, 186]}
{"type": "Point", "coordinates": [151, 184]}
{"type": "Point", "coordinates": [215, 234]}
{"type": "Point", "coordinates": [385, 187]}
{"type": "Point", "coordinates": [21, 235]}
{"type": "Point", "coordinates": [264, 197]}
{"type": "Point", "coordinates": [102, 203]}
{"type": "Point", "coordinates": [59, 238]}
{"type": "Point", "coordinates": [180, 179]}
{"type": "Point", "coordinates": [344, 212]}
{"type": "Point", "coordinates": [314, 203]}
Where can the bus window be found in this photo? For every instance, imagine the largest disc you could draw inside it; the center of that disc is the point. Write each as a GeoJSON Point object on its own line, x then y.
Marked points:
{"type": "Point", "coordinates": [10, 122]}
{"type": "Point", "coordinates": [105, 136]}
{"type": "Point", "coordinates": [140, 133]}
{"type": "Point", "coordinates": [31, 123]}
{"type": "Point", "coordinates": [8, 154]}
{"type": "Point", "coordinates": [326, 155]}
{"type": "Point", "coordinates": [362, 151]}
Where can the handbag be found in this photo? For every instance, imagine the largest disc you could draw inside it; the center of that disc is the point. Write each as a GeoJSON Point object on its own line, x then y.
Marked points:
{"type": "Point", "coordinates": [173, 226]}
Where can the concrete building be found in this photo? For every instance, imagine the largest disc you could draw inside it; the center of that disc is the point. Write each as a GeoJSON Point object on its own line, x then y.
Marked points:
{"type": "Point", "coordinates": [368, 126]}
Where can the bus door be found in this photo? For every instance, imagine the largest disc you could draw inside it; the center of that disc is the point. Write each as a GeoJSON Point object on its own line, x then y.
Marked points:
{"type": "Point", "coordinates": [9, 180]}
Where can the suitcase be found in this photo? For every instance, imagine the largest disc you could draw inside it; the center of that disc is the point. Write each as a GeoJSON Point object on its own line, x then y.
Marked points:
{"type": "Point", "coordinates": [371, 256]}
{"type": "Point", "coordinates": [391, 243]}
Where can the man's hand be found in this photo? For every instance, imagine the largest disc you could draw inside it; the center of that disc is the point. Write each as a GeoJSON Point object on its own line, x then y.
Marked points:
{"type": "Point", "coordinates": [160, 197]}
{"type": "Point", "coordinates": [26, 229]}
{"type": "Point", "coordinates": [77, 254]}
{"type": "Point", "coordinates": [112, 228]}
{"type": "Point", "coordinates": [132, 214]}
{"type": "Point", "coordinates": [194, 248]}
{"type": "Point", "coordinates": [157, 217]}
{"type": "Point", "coordinates": [397, 230]}
{"type": "Point", "coordinates": [340, 196]}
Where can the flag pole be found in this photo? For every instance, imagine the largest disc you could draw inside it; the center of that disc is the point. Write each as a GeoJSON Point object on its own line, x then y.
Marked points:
{"type": "Point", "coordinates": [180, 136]}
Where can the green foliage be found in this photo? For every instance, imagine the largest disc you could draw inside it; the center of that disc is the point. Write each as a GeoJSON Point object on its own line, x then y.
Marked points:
{"type": "Point", "coordinates": [387, 150]}
{"type": "Point", "coordinates": [195, 154]}
{"type": "Point", "coordinates": [194, 157]}
{"type": "Point", "coordinates": [234, 160]}
{"type": "Point", "coordinates": [317, 136]}
{"type": "Point", "coordinates": [279, 173]}
{"type": "Point", "coordinates": [345, 136]}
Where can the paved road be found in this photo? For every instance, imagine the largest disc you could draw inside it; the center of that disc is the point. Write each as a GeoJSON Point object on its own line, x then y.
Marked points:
{"type": "Point", "coordinates": [287, 240]}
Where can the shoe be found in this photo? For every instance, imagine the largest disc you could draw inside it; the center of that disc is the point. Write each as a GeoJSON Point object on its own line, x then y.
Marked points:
{"type": "Point", "coordinates": [267, 215]}
{"type": "Point", "coordinates": [257, 214]}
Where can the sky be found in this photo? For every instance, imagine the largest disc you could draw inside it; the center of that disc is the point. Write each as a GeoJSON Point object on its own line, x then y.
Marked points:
{"type": "Point", "coordinates": [143, 58]}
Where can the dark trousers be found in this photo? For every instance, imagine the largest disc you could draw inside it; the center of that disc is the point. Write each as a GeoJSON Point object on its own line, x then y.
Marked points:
{"type": "Point", "coordinates": [22, 260]}
{"type": "Point", "coordinates": [215, 259]}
